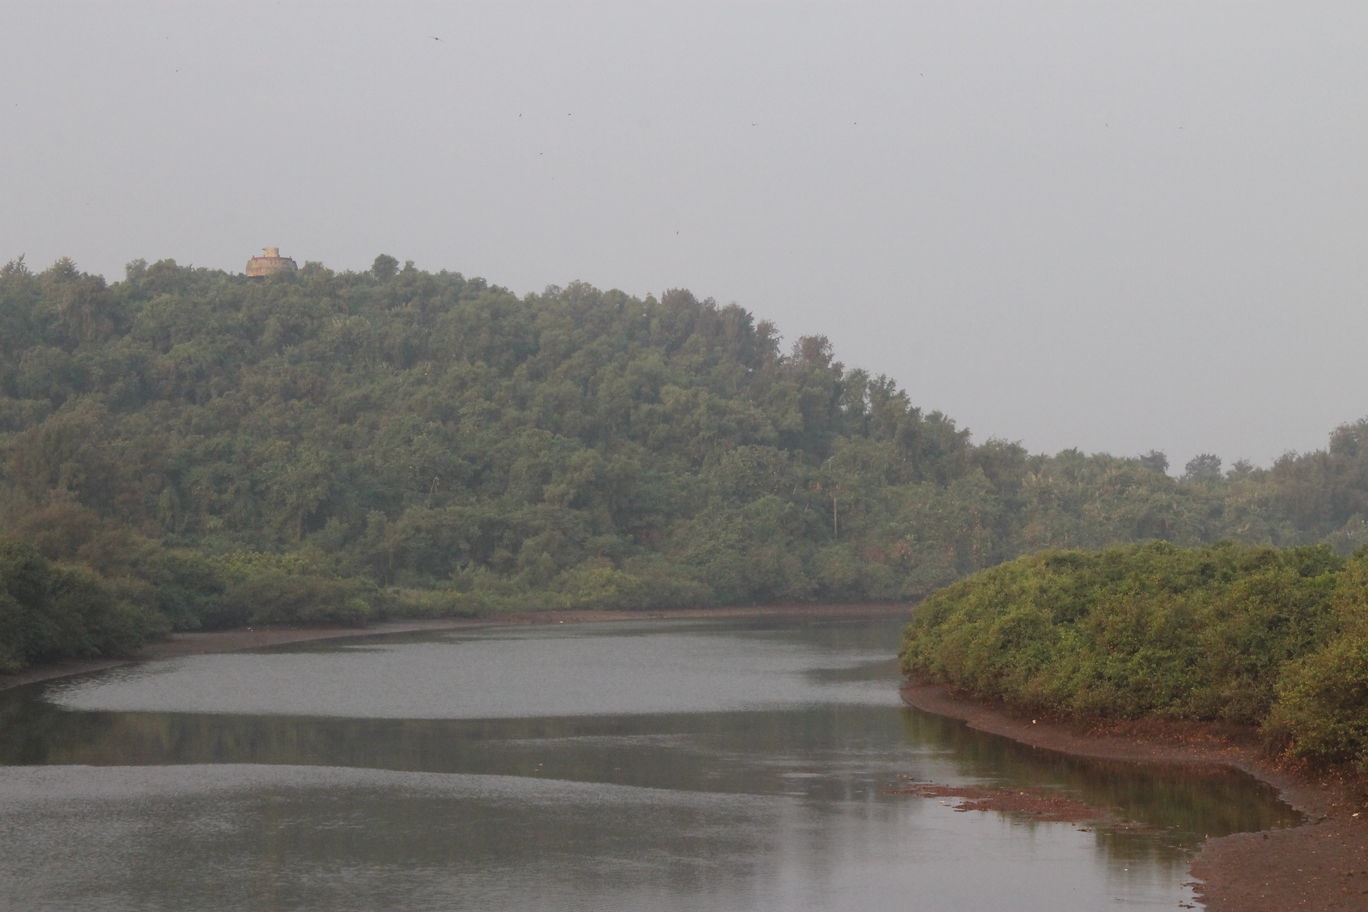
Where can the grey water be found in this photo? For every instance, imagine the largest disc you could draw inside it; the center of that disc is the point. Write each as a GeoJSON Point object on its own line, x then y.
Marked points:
{"type": "Point", "coordinates": [666, 765]}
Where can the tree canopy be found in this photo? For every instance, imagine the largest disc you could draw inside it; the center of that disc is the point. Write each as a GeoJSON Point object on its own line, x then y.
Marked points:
{"type": "Point", "coordinates": [214, 450]}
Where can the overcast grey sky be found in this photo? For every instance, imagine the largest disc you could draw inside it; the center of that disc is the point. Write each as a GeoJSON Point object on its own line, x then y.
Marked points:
{"type": "Point", "coordinates": [1115, 226]}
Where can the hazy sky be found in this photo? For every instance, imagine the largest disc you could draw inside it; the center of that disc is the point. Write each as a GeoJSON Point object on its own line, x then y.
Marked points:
{"type": "Point", "coordinates": [1115, 226]}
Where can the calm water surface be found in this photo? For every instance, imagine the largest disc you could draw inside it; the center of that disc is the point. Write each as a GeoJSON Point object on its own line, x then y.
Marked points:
{"type": "Point", "coordinates": [689, 765]}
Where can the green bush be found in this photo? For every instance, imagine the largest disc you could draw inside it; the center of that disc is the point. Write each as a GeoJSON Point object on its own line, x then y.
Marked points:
{"type": "Point", "coordinates": [600, 586]}
{"type": "Point", "coordinates": [1199, 633]}
{"type": "Point", "coordinates": [282, 598]}
{"type": "Point", "coordinates": [1321, 710]}
{"type": "Point", "coordinates": [51, 611]}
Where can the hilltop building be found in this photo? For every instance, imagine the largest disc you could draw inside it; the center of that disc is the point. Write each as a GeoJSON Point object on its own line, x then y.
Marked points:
{"type": "Point", "coordinates": [272, 263]}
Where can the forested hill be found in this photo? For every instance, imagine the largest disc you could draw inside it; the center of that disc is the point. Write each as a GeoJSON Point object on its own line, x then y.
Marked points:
{"type": "Point", "coordinates": [205, 449]}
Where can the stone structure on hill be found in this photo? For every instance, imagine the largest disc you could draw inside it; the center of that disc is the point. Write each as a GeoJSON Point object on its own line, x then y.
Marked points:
{"type": "Point", "coordinates": [272, 263]}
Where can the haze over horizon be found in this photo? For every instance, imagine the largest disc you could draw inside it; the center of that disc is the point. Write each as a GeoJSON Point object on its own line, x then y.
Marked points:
{"type": "Point", "coordinates": [1116, 227]}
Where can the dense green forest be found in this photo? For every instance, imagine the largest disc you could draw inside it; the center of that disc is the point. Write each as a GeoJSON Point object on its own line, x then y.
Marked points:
{"type": "Point", "coordinates": [194, 449]}
{"type": "Point", "coordinates": [1253, 635]}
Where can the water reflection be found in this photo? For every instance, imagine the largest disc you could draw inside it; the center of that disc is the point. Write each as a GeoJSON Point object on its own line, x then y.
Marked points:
{"type": "Point", "coordinates": [784, 799]}
{"type": "Point", "coordinates": [1193, 802]}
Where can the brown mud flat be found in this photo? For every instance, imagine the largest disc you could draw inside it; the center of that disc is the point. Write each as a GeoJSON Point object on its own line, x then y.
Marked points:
{"type": "Point", "coordinates": [1033, 804]}
{"type": "Point", "coordinates": [1321, 864]}
{"type": "Point", "coordinates": [201, 643]}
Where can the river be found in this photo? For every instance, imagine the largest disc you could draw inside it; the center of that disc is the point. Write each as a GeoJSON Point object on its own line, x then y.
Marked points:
{"type": "Point", "coordinates": [725, 764]}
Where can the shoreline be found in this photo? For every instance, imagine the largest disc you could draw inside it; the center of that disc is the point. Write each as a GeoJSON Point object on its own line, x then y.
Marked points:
{"type": "Point", "coordinates": [241, 639]}
{"type": "Point", "coordinates": [1320, 864]}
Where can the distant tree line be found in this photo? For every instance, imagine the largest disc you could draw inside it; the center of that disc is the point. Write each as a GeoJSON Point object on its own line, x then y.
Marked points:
{"type": "Point", "coordinates": [211, 450]}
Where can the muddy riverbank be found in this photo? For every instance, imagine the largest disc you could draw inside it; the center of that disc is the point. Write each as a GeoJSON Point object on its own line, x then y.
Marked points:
{"type": "Point", "coordinates": [1321, 864]}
